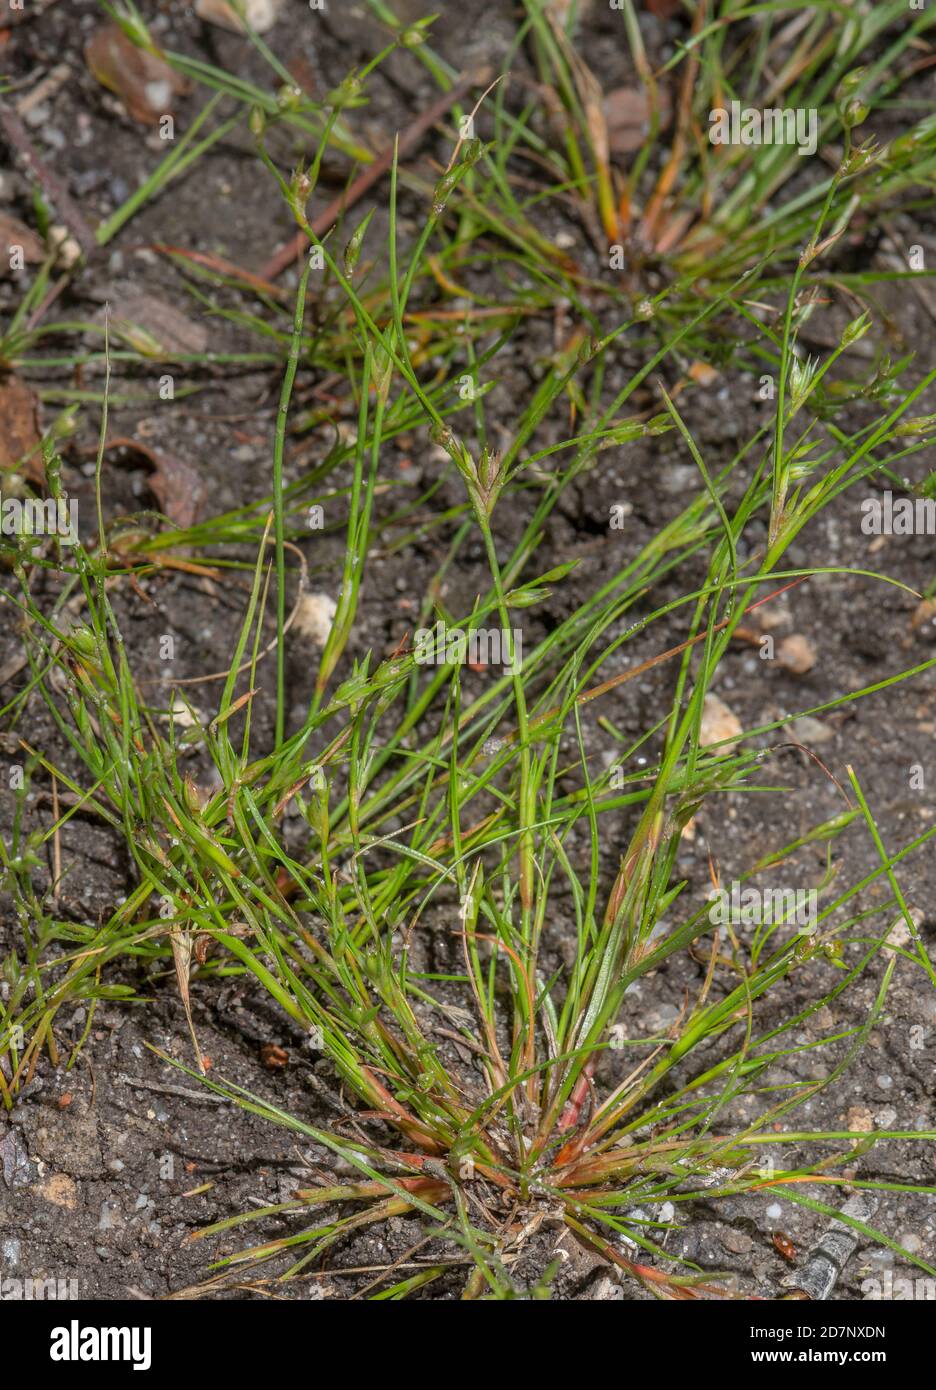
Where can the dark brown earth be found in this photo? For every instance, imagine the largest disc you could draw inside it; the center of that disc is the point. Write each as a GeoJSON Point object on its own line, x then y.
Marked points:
{"type": "Point", "coordinates": [97, 1162]}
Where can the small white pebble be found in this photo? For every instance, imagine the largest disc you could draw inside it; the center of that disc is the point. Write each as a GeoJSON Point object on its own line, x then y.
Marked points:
{"type": "Point", "coordinates": [314, 616]}
{"type": "Point", "coordinates": [158, 94]}
{"type": "Point", "coordinates": [69, 252]}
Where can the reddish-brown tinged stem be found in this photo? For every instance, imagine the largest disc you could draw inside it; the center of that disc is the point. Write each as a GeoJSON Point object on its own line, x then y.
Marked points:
{"type": "Point", "coordinates": [667, 178]}
{"type": "Point", "coordinates": [398, 1115]}
{"type": "Point", "coordinates": [575, 1102]}
{"type": "Point", "coordinates": [221, 266]}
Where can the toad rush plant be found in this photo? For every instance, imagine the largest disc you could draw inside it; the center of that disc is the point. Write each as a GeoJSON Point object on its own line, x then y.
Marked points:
{"type": "Point", "coordinates": [480, 1107]}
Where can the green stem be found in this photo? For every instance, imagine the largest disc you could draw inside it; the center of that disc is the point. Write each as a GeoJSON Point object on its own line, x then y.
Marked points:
{"type": "Point", "coordinates": [292, 364]}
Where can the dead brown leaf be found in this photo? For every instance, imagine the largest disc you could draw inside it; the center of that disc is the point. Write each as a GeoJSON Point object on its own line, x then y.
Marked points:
{"type": "Point", "coordinates": [261, 15]}
{"type": "Point", "coordinates": [145, 83]}
{"type": "Point", "coordinates": [627, 113]}
{"type": "Point", "coordinates": [181, 942]}
{"type": "Point", "coordinates": [179, 489]}
{"type": "Point", "coordinates": [150, 325]}
{"type": "Point", "coordinates": [20, 433]}
{"type": "Point", "coordinates": [16, 236]}
{"type": "Point", "coordinates": [177, 485]}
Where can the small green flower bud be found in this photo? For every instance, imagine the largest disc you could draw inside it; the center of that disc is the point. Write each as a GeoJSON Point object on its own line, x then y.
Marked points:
{"type": "Point", "coordinates": [851, 106]}
{"type": "Point", "coordinates": [855, 330]}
